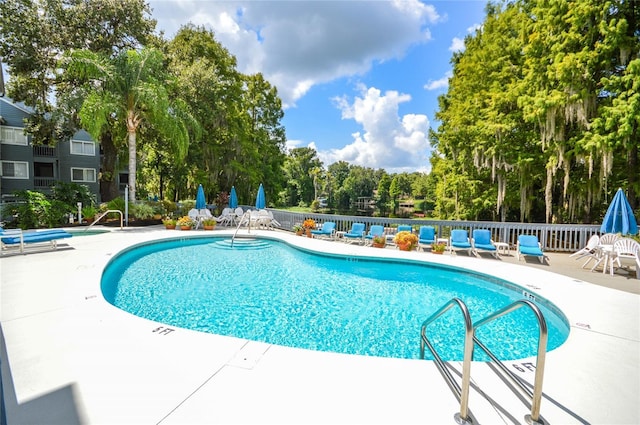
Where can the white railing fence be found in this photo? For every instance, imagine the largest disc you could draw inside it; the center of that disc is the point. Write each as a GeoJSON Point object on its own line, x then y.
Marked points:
{"type": "Point", "coordinates": [553, 237]}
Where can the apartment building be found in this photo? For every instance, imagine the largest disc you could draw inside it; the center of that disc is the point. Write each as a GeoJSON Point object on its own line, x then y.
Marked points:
{"type": "Point", "coordinates": [25, 166]}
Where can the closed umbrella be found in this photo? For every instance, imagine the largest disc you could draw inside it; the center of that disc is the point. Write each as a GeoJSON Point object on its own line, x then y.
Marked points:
{"type": "Point", "coordinates": [233, 198]}
{"type": "Point", "coordinates": [619, 217]}
{"type": "Point", "coordinates": [261, 202]}
{"type": "Point", "coordinates": [201, 202]}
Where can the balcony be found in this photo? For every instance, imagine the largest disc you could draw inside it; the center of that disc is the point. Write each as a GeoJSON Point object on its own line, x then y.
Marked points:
{"type": "Point", "coordinates": [43, 182]}
{"type": "Point", "coordinates": [44, 151]}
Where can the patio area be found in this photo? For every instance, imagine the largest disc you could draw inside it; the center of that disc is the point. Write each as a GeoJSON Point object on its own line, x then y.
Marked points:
{"type": "Point", "coordinates": [69, 357]}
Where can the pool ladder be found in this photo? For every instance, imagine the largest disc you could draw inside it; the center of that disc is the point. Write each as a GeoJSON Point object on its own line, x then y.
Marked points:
{"type": "Point", "coordinates": [462, 391]}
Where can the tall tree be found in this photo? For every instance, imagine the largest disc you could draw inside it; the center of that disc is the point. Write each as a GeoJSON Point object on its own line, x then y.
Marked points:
{"type": "Point", "coordinates": [297, 168]}
{"type": "Point", "coordinates": [130, 90]}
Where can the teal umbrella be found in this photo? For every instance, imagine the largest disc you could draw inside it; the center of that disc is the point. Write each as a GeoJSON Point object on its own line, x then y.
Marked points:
{"type": "Point", "coordinates": [233, 198]}
{"type": "Point", "coordinates": [619, 217]}
{"type": "Point", "coordinates": [261, 202]}
{"type": "Point", "coordinates": [201, 202]}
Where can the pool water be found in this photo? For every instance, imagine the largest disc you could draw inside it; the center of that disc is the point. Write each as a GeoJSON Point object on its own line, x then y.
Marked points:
{"type": "Point", "coordinates": [269, 291]}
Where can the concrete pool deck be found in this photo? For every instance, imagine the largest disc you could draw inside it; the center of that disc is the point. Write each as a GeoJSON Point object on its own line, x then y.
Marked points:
{"type": "Point", "coordinates": [69, 357]}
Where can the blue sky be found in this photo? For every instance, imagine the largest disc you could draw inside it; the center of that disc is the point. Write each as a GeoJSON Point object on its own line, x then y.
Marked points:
{"type": "Point", "coordinates": [359, 80]}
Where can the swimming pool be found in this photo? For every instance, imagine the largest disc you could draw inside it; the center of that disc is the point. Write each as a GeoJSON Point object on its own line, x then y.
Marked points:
{"type": "Point", "coordinates": [269, 291]}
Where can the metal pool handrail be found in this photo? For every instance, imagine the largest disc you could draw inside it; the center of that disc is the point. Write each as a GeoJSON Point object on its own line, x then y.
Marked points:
{"type": "Point", "coordinates": [102, 215]}
{"type": "Point", "coordinates": [536, 396]}
{"type": "Point", "coordinates": [461, 391]}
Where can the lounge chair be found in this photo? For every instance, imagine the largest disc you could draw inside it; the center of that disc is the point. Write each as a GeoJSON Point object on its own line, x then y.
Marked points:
{"type": "Point", "coordinates": [328, 230]}
{"type": "Point", "coordinates": [374, 230]}
{"type": "Point", "coordinates": [194, 215]}
{"type": "Point", "coordinates": [237, 216]}
{"type": "Point", "coordinates": [356, 234]}
{"type": "Point", "coordinates": [405, 228]}
{"type": "Point", "coordinates": [590, 250]}
{"type": "Point", "coordinates": [626, 252]}
{"type": "Point", "coordinates": [273, 223]}
{"type": "Point", "coordinates": [426, 237]}
{"type": "Point", "coordinates": [226, 218]}
{"type": "Point", "coordinates": [18, 238]}
{"type": "Point", "coordinates": [482, 242]}
{"type": "Point", "coordinates": [459, 241]}
{"type": "Point", "coordinates": [529, 245]}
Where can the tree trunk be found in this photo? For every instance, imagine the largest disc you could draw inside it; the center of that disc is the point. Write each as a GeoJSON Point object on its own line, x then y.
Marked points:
{"type": "Point", "coordinates": [132, 165]}
{"type": "Point", "coordinates": [109, 178]}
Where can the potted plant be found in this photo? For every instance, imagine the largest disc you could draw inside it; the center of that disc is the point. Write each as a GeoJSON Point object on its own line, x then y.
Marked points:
{"type": "Point", "coordinates": [308, 225]}
{"type": "Point", "coordinates": [297, 229]}
{"type": "Point", "coordinates": [208, 224]}
{"type": "Point", "coordinates": [89, 212]}
{"type": "Point", "coordinates": [405, 241]}
{"type": "Point", "coordinates": [169, 223]}
{"type": "Point", "coordinates": [379, 241]}
{"type": "Point", "coordinates": [438, 248]}
{"type": "Point", "coordinates": [185, 223]}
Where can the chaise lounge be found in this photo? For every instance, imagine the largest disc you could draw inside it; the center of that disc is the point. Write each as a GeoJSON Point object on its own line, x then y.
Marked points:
{"type": "Point", "coordinates": [18, 238]}
{"type": "Point", "coordinates": [327, 231]}
{"type": "Point", "coordinates": [529, 245]}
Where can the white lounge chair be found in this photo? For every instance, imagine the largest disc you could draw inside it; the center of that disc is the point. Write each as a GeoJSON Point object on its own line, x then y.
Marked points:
{"type": "Point", "coordinates": [626, 252]}
{"type": "Point", "coordinates": [274, 222]}
{"type": "Point", "coordinates": [226, 218]}
{"type": "Point", "coordinates": [590, 250]}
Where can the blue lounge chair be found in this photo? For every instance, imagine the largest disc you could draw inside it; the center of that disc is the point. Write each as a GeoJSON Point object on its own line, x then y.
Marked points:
{"type": "Point", "coordinates": [426, 237]}
{"type": "Point", "coordinates": [356, 234]}
{"type": "Point", "coordinates": [405, 228]}
{"type": "Point", "coordinates": [459, 241]}
{"type": "Point", "coordinates": [482, 242]}
{"type": "Point", "coordinates": [18, 238]}
{"type": "Point", "coordinates": [328, 230]}
{"type": "Point", "coordinates": [529, 245]}
{"type": "Point", "coordinates": [374, 230]}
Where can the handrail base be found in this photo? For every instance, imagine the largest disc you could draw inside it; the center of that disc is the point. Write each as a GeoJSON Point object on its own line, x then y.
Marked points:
{"type": "Point", "coordinates": [529, 420]}
{"type": "Point", "coordinates": [460, 421]}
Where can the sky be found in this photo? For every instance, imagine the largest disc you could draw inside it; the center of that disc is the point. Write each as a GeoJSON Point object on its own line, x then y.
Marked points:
{"type": "Point", "coordinates": [359, 80]}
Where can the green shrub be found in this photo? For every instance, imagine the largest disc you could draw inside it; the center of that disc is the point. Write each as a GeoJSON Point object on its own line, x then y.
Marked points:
{"type": "Point", "coordinates": [141, 211]}
{"type": "Point", "coordinates": [33, 210]}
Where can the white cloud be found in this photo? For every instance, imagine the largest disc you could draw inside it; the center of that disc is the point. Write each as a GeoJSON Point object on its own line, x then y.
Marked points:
{"type": "Point", "coordinates": [297, 45]}
{"type": "Point", "coordinates": [457, 44]}
{"type": "Point", "coordinates": [387, 141]}
{"type": "Point", "coordinates": [440, 83]}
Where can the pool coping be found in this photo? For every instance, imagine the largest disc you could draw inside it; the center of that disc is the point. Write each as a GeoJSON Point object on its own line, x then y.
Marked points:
{"type": "Point", "coordinates": [66, 352]}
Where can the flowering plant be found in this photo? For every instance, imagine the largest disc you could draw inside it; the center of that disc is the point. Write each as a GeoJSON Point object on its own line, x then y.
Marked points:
{"type": "Point", "coordinates": [169, 222]}
{"type": "Point", "coordinates": [185, 221]}
{"type": "Point", "coordinates": [309, 224]}
{"type": "Point", "coordinates": [438, 247]}
{"type": "Point", "coordinates": [380, 239]}
{"type": "Point", "coordinates": [209, 222]}
{"type": "Point", "coordinates": [296, 228]}
{"type": "Point", "coordinates": [406, 238]}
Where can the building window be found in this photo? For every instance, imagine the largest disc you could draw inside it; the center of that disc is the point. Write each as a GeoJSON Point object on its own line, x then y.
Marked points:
{"type": "Point", "coordinates": [13, 136]}
{"type": "Point", "coordinates": [86, 175]}
{"type": "Point", "coordinates": [80, 147]}
{"type": "Point", "coordinates": [15, 170]}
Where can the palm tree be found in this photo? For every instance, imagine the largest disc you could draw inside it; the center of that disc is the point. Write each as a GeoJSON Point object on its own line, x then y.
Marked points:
{"type": "Point", "coordinates": [129, 90]}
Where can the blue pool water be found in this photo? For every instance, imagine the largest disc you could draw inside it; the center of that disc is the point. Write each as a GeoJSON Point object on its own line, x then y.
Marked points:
{"type": "Point", "coordinates": [268, 291]}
